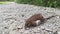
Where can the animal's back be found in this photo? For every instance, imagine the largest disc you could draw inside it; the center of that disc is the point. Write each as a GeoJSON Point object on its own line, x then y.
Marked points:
{"type": "Point", "coordinates": [35, 17]}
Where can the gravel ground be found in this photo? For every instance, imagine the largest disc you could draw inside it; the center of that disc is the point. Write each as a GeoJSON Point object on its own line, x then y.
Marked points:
{"type": "Point", "coordinates": [13, 16]}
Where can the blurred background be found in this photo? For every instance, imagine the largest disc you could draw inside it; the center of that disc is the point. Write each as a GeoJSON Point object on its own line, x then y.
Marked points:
{"type": "Point", "coordinates": [46, 3]}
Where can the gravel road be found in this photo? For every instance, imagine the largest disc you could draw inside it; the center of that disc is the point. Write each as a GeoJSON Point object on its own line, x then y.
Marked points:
{"type": "Point", "coordinates": [13, 17]}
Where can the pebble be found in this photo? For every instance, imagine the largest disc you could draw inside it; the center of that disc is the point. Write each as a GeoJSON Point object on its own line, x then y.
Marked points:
{"type": "Point", "coordinates": [58, 32]}
{"type": "Point", "coordinates": [58, 17]}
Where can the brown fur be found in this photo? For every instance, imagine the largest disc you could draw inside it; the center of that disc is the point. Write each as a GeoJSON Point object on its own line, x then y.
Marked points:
{"type": "Point", "coordinates": [30, 21]}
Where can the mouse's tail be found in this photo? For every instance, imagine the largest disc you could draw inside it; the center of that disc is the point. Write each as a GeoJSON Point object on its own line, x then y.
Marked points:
{"type": "Point", "coordinates": [51, 16]}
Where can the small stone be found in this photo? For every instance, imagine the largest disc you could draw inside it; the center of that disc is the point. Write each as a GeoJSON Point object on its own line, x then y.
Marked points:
{"type": "Point", "coordinates": [27, 28]}
{"type": "Point", "coordinates": [0, 32]}
{"type": "Point", "coordinates": [56, 24]}
{"type": "Point", "coordinates": [6, 27]}
{"type": "Point", "coordinates": [38, 28]}
{"type": "Point", "coordinates": [58, 32]}
{"type": "Point", "coordinates": [42, 27]}
{"type": "Point", "coordinates": [22, 15]}
{"type": "Point", "coordinates": [55, 32]}
{"type": "Point", "coordinates": [45, 9]}
{"type": "Point", "coordinates": [58, 17]}
{"type": "Point", "coordinates": [49, 25]}
{"type": "Point", "coordinates": [3, 32]}
{"type": "Point", "coordinates": [20, 27]}
{"type": "Point", "coordinates": [14, 29]}
{"type": "Point", "coordinates": [26, 32]}
{"type": "Point", "coordinates": [49, 30]}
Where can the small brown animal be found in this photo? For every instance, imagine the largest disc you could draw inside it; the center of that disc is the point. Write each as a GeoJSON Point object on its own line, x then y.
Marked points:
{"type": "Point", "coordinates": [30, 22]}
